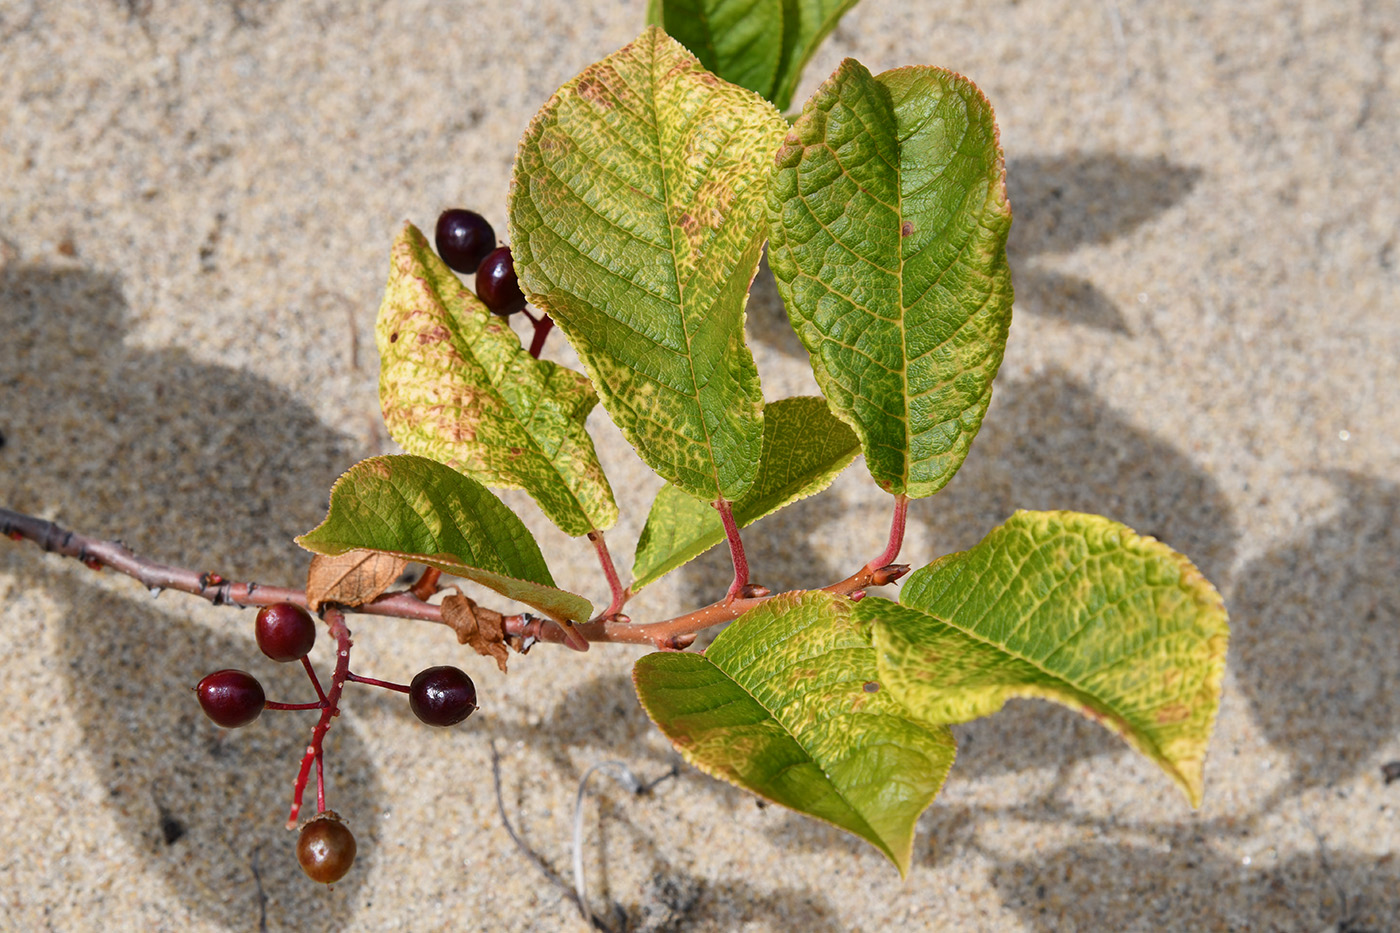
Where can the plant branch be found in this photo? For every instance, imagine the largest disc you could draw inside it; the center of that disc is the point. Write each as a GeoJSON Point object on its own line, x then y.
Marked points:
{"type": "Point", "coordinates": [675, 633]}
{"type": "Point", "coordinates": [155, 576]}
{"type": "Point", "coordinates": [620, 594]}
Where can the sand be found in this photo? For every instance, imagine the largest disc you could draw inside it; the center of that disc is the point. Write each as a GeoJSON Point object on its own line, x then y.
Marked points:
{"type": "Point", "coordinates": [196, 207]}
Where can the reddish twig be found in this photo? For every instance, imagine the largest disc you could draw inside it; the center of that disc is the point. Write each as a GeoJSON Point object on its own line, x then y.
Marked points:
{"type": "Point", "coordinates": [335, 621]}
{"type": "Point", "coordinates": [156, 576]}
{"type": "Point", "coordinates": [543, 326]}
{"type": "Point", "coordinates": [736, 549]}
{"type": "Point", "coordinates": [320, 782]}
{"type": "Point", "coordinates": [315, 681]}
{"type": "Point", "coordinates": [901, 514]}
{"type": "Point", "coordinates": [620, 594]}
{"type": "Point", "coordinates": [387, 685]}
{"type": "Point", "coordinates": [674, 633]}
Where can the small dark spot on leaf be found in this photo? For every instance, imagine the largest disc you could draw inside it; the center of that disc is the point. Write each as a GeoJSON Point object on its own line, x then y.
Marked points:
{"type": "Point", "coordinates": [872, 687]}
{"type": "Point", "coordinates": [907, 229]}
{"type": "Point", "coordinates": [1391, 771]}
{"type": "Point", "coordinates": [394, 337]}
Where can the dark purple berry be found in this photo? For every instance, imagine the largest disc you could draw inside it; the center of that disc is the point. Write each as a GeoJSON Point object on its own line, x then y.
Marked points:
{"type": "Point", "coordinates": [231, 698]}
{"type": "Point", "coordinates": [496, 284]}
{"type": "Point", "coordinates": [285, 632]}
{"type": "Point", "coordinates": [326, 849]}
{"type": "Point", "coordinates": [442, 696]}
{"type": "Point", "coordinates": [463, 239]}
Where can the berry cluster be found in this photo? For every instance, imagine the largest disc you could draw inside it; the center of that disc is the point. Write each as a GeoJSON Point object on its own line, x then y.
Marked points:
{"type": "Point", "coordinates": [438, 696]}
{"type": "Point", "coordinates": [467, 243]}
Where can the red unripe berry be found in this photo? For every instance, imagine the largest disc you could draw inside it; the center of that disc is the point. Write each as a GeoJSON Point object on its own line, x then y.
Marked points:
{"type": "Point", "coordinates": [442, 696]}
{"type": "Point", "coordinates": [231, 698]}
{"type": "Point", "coordinates": [285, 632]}
{"type": "Point", "coordinates": [326, 849]}
{"type": "Point", "coordinates": [496, 284]}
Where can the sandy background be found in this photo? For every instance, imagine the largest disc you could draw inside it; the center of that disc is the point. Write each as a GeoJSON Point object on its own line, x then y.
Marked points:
{"type": "Point", "coordinates": [196, 207]}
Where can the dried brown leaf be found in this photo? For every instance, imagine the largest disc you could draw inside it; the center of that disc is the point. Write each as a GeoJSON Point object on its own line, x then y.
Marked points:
{"type": "Point", "coordinates": [351, 579]}
{"type": "Point", "coordinates": [477, 626]}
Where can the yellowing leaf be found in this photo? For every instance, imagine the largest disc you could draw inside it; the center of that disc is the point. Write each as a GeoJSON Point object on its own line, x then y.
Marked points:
{"type": "Point", "coordinates": [456, 387]}
{"type": "Point", "coordinates": [636, 221]}
{"type": "Point", "coordinates": [1066, 607]}
{"type": "Point", "coordinates": [788, 703]}
{"type": "Point", "coordinates": [804, 448]}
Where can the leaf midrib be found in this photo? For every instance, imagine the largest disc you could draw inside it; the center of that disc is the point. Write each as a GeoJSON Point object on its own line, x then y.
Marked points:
{"type": "Point", "coordinates": [886, 98]}
{"type": "Point", "coordinates": [805, 750]}
{"type": "Point", "coordinates": [467, 346]}
{"type": "Point", "coordinates": [676, 271]}
{"type": "Point", "coordinates": [1056, 678]}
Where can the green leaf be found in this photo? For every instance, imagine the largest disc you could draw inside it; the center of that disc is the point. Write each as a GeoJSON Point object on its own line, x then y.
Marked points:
{"type": "Point", "coordinates": [787, 703]}
{"type": "Point", "coordinates": [804, 448]}
{"type": "Point", "coordinates": [423, 511]}
{"type": "Point", "coordinates": [762, 45]}
{"type": "Point", "coordinates": [636, 221]}
{"type": "Point", "coordinates": [806, 23]}
{"type": "Point", "coordinates": [739, 40]}
{"type": "Point", "coordinates": [1066, 607]}
{"type": "Point", "coordinates": [457, 387]}
{"type": "Point", "coordinates": [888, 223]}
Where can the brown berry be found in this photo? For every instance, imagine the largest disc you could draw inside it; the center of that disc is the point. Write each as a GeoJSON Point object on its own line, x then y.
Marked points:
{"type": "Point", "coordinates": [326, 849]}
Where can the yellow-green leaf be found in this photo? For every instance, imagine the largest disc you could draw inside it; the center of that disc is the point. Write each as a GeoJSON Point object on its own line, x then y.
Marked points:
{"type": "Point", "coordinates": [636, 221]}
{"type": "Point", "coordinates": [1066, 607]}
{"type": "Point", "coordinates": [788, 703]}
{"type": "Point", "coordinates": [888, 222]}
{"type": "Point", "coordinates": [457, 387]}
{"type": "Point", "coordinates": [804, 448]}
{"type": "Point", "coordinates": [425, 512]}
